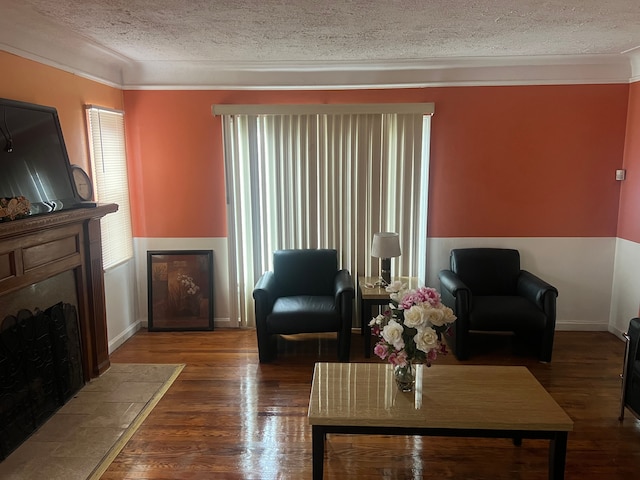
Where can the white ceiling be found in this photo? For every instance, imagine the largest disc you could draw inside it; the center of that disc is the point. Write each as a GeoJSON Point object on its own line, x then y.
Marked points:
{"type": "Point", "coordinates": [315, 43]}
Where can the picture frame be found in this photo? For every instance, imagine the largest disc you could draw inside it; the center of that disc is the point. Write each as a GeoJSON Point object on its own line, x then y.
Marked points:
{"type": "Point", "coordinates": [180, 290]}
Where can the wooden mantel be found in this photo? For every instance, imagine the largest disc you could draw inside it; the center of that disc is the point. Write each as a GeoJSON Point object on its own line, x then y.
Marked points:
{"type": "Point", "coordinates": [36, 248]}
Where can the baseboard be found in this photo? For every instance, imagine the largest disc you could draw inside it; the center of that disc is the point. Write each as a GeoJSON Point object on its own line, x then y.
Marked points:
{"type": "Point", "coordinates": [617, 333]}
{"type": "Point", "coordinates": [223, 323]}
{"type": "Point", "coordinates": [124, 336]}
{"type": "Point", "coordinates": [579, 326]}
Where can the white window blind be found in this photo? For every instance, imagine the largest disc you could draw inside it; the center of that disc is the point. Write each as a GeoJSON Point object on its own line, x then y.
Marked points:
{"type": "Point", "coordinates": [111, 184]}
{"type": "Point", "coordinates": [323, 181]}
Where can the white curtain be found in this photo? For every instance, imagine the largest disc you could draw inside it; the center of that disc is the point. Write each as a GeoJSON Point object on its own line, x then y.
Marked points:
{"type": "Point", "coordinates": [323, 181]}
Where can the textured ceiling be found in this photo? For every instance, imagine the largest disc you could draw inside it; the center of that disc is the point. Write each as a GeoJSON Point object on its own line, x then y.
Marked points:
{"type": "Point", "coordinates": [268, 33]}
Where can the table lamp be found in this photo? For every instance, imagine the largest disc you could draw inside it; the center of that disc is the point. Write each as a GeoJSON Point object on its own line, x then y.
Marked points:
{"type": "Point", "coordinates": [385, 246]}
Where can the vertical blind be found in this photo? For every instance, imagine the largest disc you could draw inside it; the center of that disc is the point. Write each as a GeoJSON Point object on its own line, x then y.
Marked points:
{"type": "Point", "coordinates": [323, 181]}
{"type": "Point", "coordinates": [109, 167]}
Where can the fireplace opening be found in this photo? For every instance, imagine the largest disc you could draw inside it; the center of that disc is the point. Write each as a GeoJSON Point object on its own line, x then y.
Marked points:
{"type": "Point", "coordinates": [40, 369]}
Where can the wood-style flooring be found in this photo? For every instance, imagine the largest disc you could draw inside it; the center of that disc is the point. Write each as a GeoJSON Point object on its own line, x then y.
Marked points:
{"type": "Point", "coordinates": [228, 417]}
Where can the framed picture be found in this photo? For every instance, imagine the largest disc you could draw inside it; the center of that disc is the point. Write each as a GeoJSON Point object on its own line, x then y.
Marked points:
{"type": "Point", "coordinates": [180, 284]}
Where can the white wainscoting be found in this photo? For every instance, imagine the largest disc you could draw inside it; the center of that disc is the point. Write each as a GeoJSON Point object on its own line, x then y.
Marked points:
{"type": "Point", "coordinates": [598, 279]}
{"type": "Point", "coordinates": [582, 269]}
{"type": "Point", "coordinates": [220, 272]}
{"type": "Point", "coordinates": [120, 299]}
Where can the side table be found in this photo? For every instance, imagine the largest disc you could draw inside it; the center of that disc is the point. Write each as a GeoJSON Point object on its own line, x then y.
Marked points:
{"type": "Point", "coordinates": [370, 293]}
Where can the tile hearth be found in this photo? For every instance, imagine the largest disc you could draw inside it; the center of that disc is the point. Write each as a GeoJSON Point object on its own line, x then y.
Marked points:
{"type": "Point", "coordinates": [73, 442]}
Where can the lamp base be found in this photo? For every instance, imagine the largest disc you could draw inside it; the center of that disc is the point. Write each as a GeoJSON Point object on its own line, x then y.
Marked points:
{"type": "Point", "coordinates": [385, 270]}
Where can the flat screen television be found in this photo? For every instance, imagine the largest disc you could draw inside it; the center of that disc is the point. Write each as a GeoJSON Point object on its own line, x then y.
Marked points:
{"type": "Point", "coordinates": [33, 157]}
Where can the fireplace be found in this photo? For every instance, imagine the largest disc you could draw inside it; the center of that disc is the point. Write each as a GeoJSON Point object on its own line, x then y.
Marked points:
{"type": "Point", "coordinates": [40, 369]}
{"type": "Point", "coordinates": [57, 258]}
{"type": "Point", "coordinates": [36, 249]}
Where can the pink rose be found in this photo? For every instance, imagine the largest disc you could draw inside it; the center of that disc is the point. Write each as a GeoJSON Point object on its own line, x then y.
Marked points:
{"type": "Point", "coordinates": [429, 295]}
{"type": "Point", "coordinates": [398, 359]}
{"type": "Point", "coordinates": [432, 355]}
{"type": "Point", "coordinates": [381, 350]}
{"type": "Point", "coordinates": [409, 300]}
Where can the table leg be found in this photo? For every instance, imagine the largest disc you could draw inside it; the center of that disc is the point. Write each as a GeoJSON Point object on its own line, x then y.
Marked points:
{"type": "Point", "coordinates": [318, 438]}
{"type": "Point", "coordinates": [557, 456]}
{"type": "Point", "coordinates": [359, 300]}
{"type": "Point", "coordinates": [365, 318]}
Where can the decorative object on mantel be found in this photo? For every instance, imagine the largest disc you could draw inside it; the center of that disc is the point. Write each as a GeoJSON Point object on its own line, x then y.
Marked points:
{"type": "Point", "coordinates": [14, 207]}
{"type": "Point", "coordinates": [410, 330]}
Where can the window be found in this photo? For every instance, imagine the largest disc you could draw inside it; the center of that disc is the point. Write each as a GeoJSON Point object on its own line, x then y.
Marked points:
{"type": "Point", "coordinates": [328, 180]}
{"type": "Point", "coordinates": [109, 166]}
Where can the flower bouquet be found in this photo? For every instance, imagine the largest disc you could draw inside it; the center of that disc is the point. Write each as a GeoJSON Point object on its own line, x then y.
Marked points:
{"type": "Point", "coordinates": [410, 330]}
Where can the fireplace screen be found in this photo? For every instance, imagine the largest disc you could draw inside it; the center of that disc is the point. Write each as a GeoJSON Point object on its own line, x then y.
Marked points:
{"type": "Point", "coordinates": [40, 370]}
{"type": "Point", "coordinates": [180, 287]}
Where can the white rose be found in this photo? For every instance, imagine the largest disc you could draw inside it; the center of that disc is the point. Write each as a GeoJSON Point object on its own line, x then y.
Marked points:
{"type": "Point", "coordinates": [395, 296]}
{"type": "Point", "coordinates": [449, 317]}
{"type": "Point", "coordinates": [392, 333]}
{"type": "Point", "coordinates": [376, 320]}
{"type": "Point", "coordinates": [395, 286]}
{"type": "Point", "coordinates": [415, 317]}
{"type": "Point", "coordinates": [435, 316]}
{"type": "Point", "coordinates": [426, 340]}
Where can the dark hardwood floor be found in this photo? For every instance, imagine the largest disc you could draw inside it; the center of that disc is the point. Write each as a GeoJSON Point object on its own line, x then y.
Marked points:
{"type": "Point", "coordinates": [228, 417]}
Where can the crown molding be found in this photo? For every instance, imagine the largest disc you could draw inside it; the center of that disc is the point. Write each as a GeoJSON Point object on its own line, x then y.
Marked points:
{"type": "Point", "coordinates": [634, 60]}
{"type": "Point", "coordinates": [74, 53]}
{"type": "Point", "coordinates": [393, 74]}
{"type": "Point", "coordinates": [84, 57]}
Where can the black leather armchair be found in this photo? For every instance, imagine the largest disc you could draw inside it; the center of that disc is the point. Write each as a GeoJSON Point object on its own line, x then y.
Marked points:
{"type": "Point", "coordinates": [631, 371]}
{"type": "Point", "coordinates": [305, 293]}
{"type": "Point", "coordinates": [488, 292]}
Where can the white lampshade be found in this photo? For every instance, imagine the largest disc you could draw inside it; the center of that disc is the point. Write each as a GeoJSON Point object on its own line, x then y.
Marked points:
{"type": "Point", "coordinates": [385, 245]}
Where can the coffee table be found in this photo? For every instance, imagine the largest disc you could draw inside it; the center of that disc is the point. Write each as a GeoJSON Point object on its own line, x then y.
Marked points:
{"type": "Point", "coordinates": [448, 401]}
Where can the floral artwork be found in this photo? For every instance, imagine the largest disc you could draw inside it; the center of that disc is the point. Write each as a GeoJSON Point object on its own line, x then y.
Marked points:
{"type": "Point", "coordinates": [411, 329]}
{"type": "Point", "coordinates": [181, 290]}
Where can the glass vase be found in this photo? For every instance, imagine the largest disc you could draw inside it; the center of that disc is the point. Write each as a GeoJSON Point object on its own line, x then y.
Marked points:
{"type": "Point", "coordinates": [405, 377]}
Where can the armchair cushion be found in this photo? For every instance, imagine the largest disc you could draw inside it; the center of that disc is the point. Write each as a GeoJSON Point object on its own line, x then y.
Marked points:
{"type": "Point", "coordinates": [303, 314]}
{"type": "Point", "coordinates": [505, 313]}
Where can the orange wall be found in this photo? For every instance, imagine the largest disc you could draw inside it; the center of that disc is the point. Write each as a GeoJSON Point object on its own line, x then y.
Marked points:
{"type": "Point", "coordinates": [28, 81]}
{"type": "Point", "coordinates": [629, 217]}
{"type": "Point", "coordinates": [505, 161]}
{"type": "Point", "coordinates": [176, 147]}
{"type": "Point", "coordinates": [534, 161]}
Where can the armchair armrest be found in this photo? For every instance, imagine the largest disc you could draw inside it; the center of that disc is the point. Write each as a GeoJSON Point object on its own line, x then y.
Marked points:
{"type": "Point", "coordinates": [344, 283]}
{"type": "Point", "coordinates": [536, 290]}
{"type": "Point", "coordinates": [455, 294]}
{"type": "Point", "coordinates": [344, 291]}
{"type": "Point", "coordinates": [451, 282]}
{"type": "Point", "coordinates": [265, 295]}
